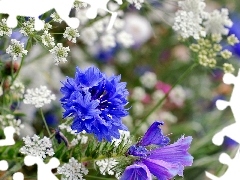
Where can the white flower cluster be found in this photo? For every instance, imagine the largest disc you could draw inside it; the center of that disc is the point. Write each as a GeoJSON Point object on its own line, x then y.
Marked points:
{"type": "Point", "coordinates": [47, 39]}
{"type": "Point", "coordinates": [4, 29]}
{"type": "Point", "coordinates": [178, 95]}
{"type": "Point", "coordinates": [79, 137]}
{"type": "Point", "coordinates": [138, 93]}
{"type": "Point", "coordinates": [136, 3]}
{"type": "Point", "coordinates": [18, 89]}
{"type": "Point", "coordinates": [9, 120]}
{"type": "Point", "coordinates": [71, 34]}
{"type": "Point", "coordinates": [78, 4]}
{"type": "Point", "coordinates": [55, 17]}
{"type": "Point", "coordinates": [16, 49]}
{"type": "Point", "coordinates": [72, 170]}
{"type": "Point", "coordinates": [28, 27]}
{"type": "Point", "coordinates": [148, 79]}
{"type": "Point", "coordinates": [38, 96]}
{"type": "Point", "coordinates": [217, 22]}
{"type": "Point", "coordinates": [108, 39]}
{"type": "Point", "coordinates": [192, 21]}
{"type": "Point", "coordinates": [35, 146]}
{"type": "Point", "coordinates": [124, 136]}
{"type": "Point", "coordinates": [188, 20]}
{"type": "Point", "coordinates": [106, 166]}
{"type": "Point", "coordinates": [59, 53]}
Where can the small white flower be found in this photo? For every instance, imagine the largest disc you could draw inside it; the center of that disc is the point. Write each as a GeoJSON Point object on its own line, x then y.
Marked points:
{"type": "Point", "coordinates": [72, 170]}
{"type": "Point", "coordinates": [4, 29]}
{"type": "Point", "coordinates": [16, 49]}
{"type": "Point", "coordinates": [138, 108]}
{"type": "Point", "coordinates": [138, 93]}
{"type": "Point", "coordinates": [71, 34]}
{"type": "Point", "coordinates": [9, 120]}
{"type": "Point", "coordinates": [79, 138]}
{"type": "Point", "coordinates": [38, 96]}
{"type": "Point", "coordinates": [124, 136]}
{"type": "Point", "coordinates": [228, 68]}
{"type": "Point", "coordinates": [99, 26]}
{"type": "Point", "coordinates": [226, 54]}
{"type": "Point", "coordinates": [35, 146]}
{"type": "Point", "coordinates": [148, 79]}
{"type": "Point", "coordinates": [106, 166]}
{"type": "Point", "coordinates": [188, 20]}
{"type": "Point", "coordinates": [217, 22]}
{"type": "Point", "coordinates": [47, 39]}
{"type": "Point", "coordinates": [17, 124]}
{"type": "Point", "coordinates": [108, 41]}
{"type": "Point", "coordinates": [18, 89]}
{"type": "Point", "coordinates": [157, 95]}
{"type": "Point", "coordinates": [47, 26]}
{"type": "Point", "coordinates": [56, 17]}
{"type": "Point", "coordinates": [216, 38]}
{"type": "Point", "coordinates": [188, 24]}
{"type": "Point", "coordinates": [28, 27]}
{"type": "Point", "coordinates": [196, 6]}
{"type": "Point", "coordinates": [136, 3]}
{"type": "Point", "coordinates": [74, 142]}
{"type": "Point", "coordinates": [119, 23]}
{"type": "Point", "coordinates": [168, 116]}
{"type": "Point", "coordinates": [78, 4]}
{"type": "Point", "coordinates": [59, 53]}
{"type": "Point", "coordinates": [177, 95]}
{"type": "Point", "coordinates": [125, 39]}
{"type": "Point", "coordinates": [89, 36]}
{"type": "Point", "coordinates": [232, 39]}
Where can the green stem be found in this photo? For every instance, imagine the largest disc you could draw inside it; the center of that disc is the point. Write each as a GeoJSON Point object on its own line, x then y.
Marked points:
{"type": "Point", "coordinates": [28, 46]}
{"type": "Point", "coordinates": [97, 177]}
{"type": "Point", "coordinates": [165, 96]}
{"type": "Point", "coordinates": [101, 157]}
{"type": "Point", "coordinates": [45, 123]}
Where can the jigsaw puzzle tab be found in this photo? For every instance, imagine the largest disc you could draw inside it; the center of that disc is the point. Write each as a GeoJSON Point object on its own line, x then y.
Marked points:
{"type": "Point", "coordinates": [100, 4]}
{"type": "Point", "coordinates": [232, 131]}
{"type": "Point", "coordinates": [9, 140]}
{"type": "Point", "coordinates": [44, 170]}
{"type": "Point", "coordinates": [233, 167]}
{"type": "Point", "coordinates": [35, 8]}
{"type": "Point", "coordinates": [4, 167]}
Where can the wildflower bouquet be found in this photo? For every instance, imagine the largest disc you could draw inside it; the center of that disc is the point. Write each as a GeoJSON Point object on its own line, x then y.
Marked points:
{"type": "Point", "coordinates": [128, 94]}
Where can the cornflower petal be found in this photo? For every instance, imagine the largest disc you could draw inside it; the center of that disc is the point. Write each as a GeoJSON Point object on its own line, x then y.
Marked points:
{"type": "Point", "coordinates": [136, 172]}
{"type": "Point", "coordinates": [161, 169]}
{"type": "Point", "coordinates": [154, 135]}
{"type": "Point", "coordinates": [175, 153]}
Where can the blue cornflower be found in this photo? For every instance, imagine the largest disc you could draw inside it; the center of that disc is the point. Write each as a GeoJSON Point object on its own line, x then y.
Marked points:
{"type": "Point", "coordinates": [95, 102]}
{"type": "Point", "coordinates": [235, 30]}
{"type": "Point", "coordinates": [162, 160]}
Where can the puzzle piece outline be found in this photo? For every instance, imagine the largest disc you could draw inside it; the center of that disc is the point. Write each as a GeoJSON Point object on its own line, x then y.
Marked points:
{"type": "Point", "coordinates": [231, 130]}
{"type": "Point", "coordinates": [16, 8]}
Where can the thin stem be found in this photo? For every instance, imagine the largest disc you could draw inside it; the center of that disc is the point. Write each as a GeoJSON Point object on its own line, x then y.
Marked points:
{"type": "Point", "coordinates": [44, 120]}
{"type": "Point", "coordinates": [28, 46]}
{"type": "Point", "coordinates": [101, 157]}
{"type": "Point", "coordinates": [165, 96]}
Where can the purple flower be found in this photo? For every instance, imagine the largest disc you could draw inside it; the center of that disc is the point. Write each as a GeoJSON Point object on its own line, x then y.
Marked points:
{"type": "Point", "coordinates": [163, 160]}
{"type": "Point", "coordinates": [95, 102]}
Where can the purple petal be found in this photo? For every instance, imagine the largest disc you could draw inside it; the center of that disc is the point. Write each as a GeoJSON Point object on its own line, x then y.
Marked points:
{"type": "Point", "coordinates": [136, 172]}
{"type": "Point", "coordinates": [154, 135]}
{"type": "Point", "coordinates": [161, 169]}
{"type": "Point", "coordinates": [175, 153]}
